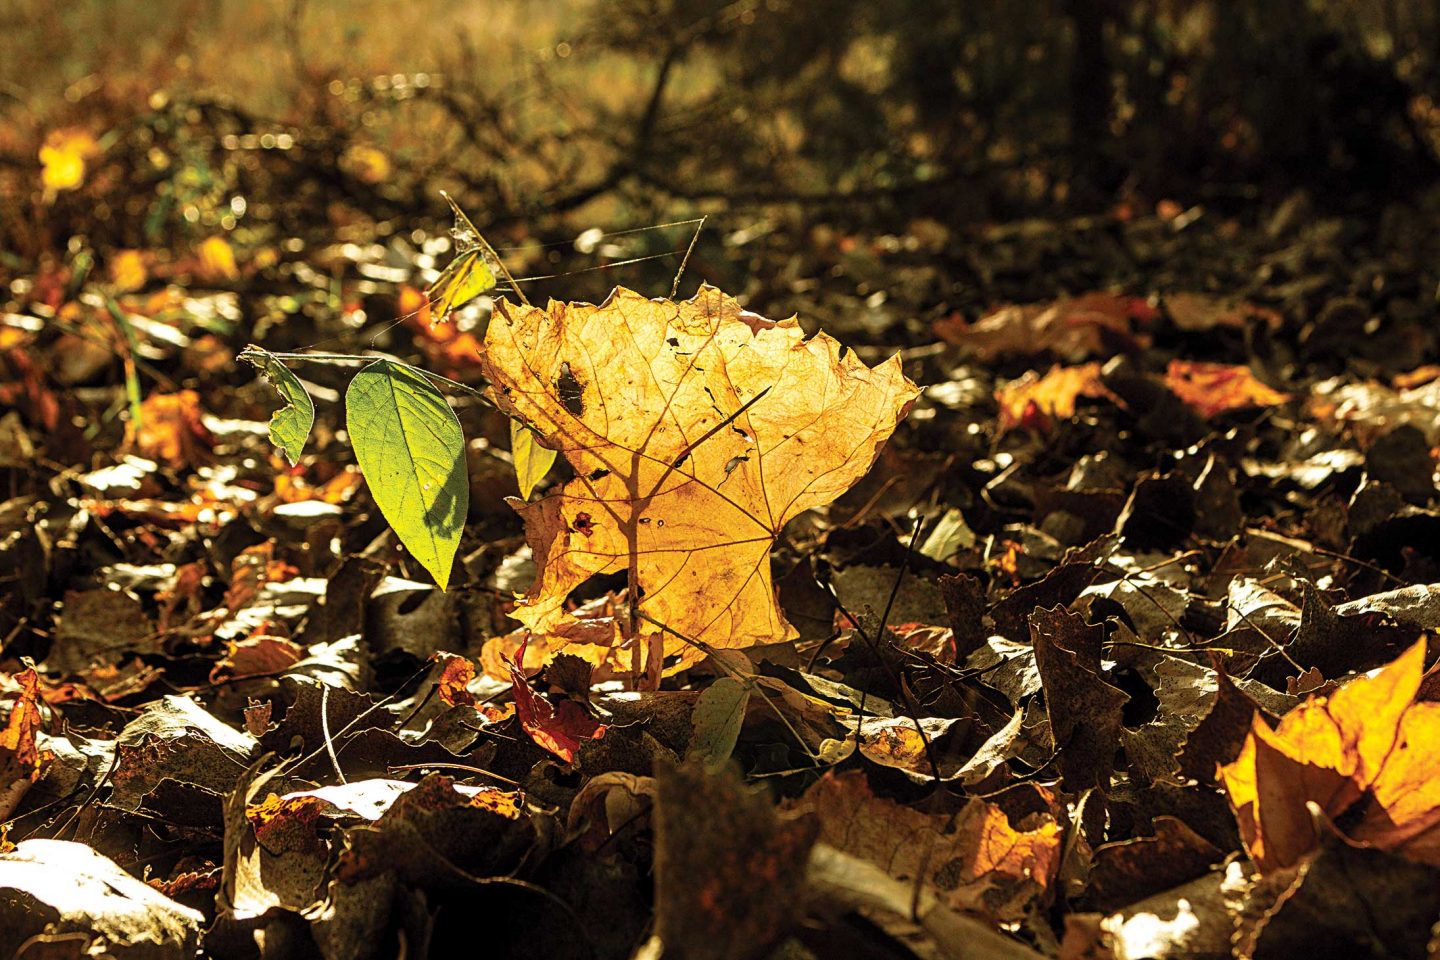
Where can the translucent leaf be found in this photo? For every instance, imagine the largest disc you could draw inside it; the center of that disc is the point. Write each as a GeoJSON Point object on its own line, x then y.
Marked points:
{"type": "Point", "coordinates": [412, 453]}
{"type": "Point", "coordinates": [696, 431]}
{"type": "Point", "coordinates": [468, 275]}
{"type": "Point", "coordinates": [532, 461]}
{"type": "Point", "coordinates": [290, 425]}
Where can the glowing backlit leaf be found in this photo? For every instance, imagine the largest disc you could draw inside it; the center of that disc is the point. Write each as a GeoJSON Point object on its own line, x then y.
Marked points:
{"type": "Point", "coordinates": [1215, 388]}
{"type": "Point", "coordinates": [468, 275]}
{"type": "Point", "coordinates": [1036, 402]}
{"type": "Point", "coordinates": [1365, 752]}
{"type": "Point", "coordinates": [217, 260]}
{"type": "Point", "coordinates": [532, 459]}
{"type": "Point", "coordinates": [412, 453]}
{"type": "Point", "coordinates": [696, 431]}
{"type": "Point", "coordinates": [290, 425]}
{"type": "Point", "coordinates": [558, 729]}
{"type": "Point", "coordinates": [63, 158]}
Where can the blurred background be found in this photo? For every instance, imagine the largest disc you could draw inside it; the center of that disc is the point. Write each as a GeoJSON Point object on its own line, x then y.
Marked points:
{"type": "Point", "coordinates": [878, 165]}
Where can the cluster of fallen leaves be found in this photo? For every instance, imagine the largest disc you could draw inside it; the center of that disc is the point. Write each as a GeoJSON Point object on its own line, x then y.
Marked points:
{"type": "Point", "coordinates": [1116, 647]}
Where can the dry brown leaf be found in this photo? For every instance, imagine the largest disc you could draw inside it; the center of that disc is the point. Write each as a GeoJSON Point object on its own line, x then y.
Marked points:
{"type": "Point", "coordinates": [1074, 328]}
{"type": "Point", "coordinates": [696, 431]}
{"type": "Point", "coordinates": [972, 860]}
{"type": "Point", "coordinates": [1211, 389]}
{"type": "Point", "coordinates": [1036, 402]}
{"type": "Point", "coordinates": [1366, 751]}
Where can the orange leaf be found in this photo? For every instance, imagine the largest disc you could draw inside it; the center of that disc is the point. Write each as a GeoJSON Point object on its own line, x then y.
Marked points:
{"type": "Point", "coordinates": [127, 270]}
{"type": "Point", "coordinates": [1215, 388]}
{"type": "Point", "coordinates": [1036, 402]}
{"type": "Point", "coordinates": [22, 762]}
{"type": "Point", "coordinates": [172, 431]}
{"type": "Point", "coordinates": [696, 430]}
{"type": "Point", "coordinates": [454, 678]}
{"type": "Point", "coordinates": [1366, 751]}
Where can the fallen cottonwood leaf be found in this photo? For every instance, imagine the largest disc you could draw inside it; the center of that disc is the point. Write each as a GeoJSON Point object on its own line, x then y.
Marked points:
{"type": "Point", "coordinates": [696, 431]}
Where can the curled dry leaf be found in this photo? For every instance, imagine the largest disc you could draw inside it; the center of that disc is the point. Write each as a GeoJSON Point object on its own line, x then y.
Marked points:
{"type": "Point", "coordinates": [1364, 755]}
{"type": "Point", "coordinates": [1215, 388]}
{"type": "Point", "coordinates": [696, 431]}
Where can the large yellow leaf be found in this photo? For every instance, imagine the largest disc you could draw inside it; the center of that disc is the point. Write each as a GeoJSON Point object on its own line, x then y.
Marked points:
{"type": "Point", "coordinates": [696, 431]}
{"type": "Point", "coordinates": [1366, 752]}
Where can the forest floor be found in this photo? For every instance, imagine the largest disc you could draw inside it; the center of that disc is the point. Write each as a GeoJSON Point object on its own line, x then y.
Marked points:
{"type": "Point", "coordinates": [1116, 651]}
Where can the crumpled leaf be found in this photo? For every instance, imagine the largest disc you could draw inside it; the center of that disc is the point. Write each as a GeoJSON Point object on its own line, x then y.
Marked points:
{"type": "Point", "coordinates": [455, 674]}
{"type": "Point", "coordinates": [53, 888]}
{"type": "Point", "coordinates": [1037, 402]}
{"type": "Point", "coordinates": [290, 425]}
{"type": "Point", "coordinates": [1211, 389]}
{"type": "Point", "coordinates": [696, 431]}
{"type": "Point", "coordinates": [1365, 753]}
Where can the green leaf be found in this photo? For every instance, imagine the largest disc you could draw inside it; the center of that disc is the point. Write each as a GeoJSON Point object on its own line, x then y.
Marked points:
{"type": "Point", "coordinates": [412, 453]}
{"type": "Point", "coordinates": [532, 460]}
{"type": "Point", "coordinates": [718, 714]}
{"type": "Point", "coordinates": [290, 425]}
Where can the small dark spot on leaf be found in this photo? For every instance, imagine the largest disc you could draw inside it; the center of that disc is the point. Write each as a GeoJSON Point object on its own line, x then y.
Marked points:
{"type": "Point", "coordinates": [583, 524]}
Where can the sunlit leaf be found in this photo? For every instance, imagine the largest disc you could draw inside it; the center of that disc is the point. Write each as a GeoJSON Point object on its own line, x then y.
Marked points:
{"type": "Point", "coordinates": [468, 276]}
{"type": "Point", "coordinates": [412, 453]}
{"type": "Point", "coordinates": [1365, 755]}
{"type": "Point", "coordinates": [217, 260]}
{"type": "Point", "coordinates": [532, 459]}
{"type": "Point", "coordinates": [290, 425]}
{"type": "Point", "coordinates": [696, 431]}
{"type": "Point", "coordinates": [63, 159]}
{"type": "Point", "coordinates": [1215, 388]}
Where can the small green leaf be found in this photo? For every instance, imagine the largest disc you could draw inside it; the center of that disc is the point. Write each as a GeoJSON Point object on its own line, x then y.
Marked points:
{"type": "Point", "coordinates": [718, 714]}
{"type": "Point", "coordinates": [290, 425]}
{"type": "Point", "coordinates": [532, 460]}
{"type": "Point", "coordinates": [412, 453]}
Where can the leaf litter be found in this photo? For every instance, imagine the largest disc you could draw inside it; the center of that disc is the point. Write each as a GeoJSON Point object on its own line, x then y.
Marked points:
{"type": "Point", "coordinates": [1115, 646]}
